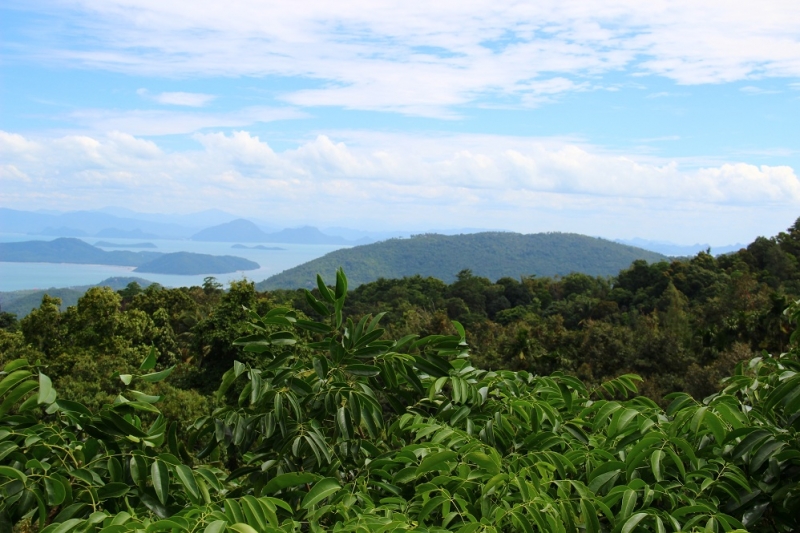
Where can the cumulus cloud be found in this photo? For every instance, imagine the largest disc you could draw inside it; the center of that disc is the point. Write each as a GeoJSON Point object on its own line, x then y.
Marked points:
{"type": "Point", "coordinates": [422, 57]}
{"type": "Point", "coordinates": [396, 180]}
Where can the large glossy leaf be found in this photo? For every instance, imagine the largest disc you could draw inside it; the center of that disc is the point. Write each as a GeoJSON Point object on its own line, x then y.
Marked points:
{"type": "Point", "coordinates": [321, 490]}
{"type": "Point", "coordinates": [159, 474]}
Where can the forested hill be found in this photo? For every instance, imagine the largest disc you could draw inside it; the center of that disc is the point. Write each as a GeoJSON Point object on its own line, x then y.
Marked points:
{"type": "Point", "coordinates": [492, 254]}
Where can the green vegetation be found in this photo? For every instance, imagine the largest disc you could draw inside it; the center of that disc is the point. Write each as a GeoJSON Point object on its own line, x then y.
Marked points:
{"type": "Point", "coordinates": [493, 255]}
{"type": "Point", "coordinates": [413, 404]}
{"type": "Point", "coordinates": [337, 428]}
{"type": "Point", "coordinates": [20, 303]}
{"type": "Point", "coordinates": [187, 263]}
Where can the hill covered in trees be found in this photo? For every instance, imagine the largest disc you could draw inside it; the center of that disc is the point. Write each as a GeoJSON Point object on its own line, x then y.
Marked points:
{"type": "Point", "coordinates": [70, 250]}
{"type": "Point", "coordinates": [187, 263]}
{"type": "Point", "coordinates": [490, 254]}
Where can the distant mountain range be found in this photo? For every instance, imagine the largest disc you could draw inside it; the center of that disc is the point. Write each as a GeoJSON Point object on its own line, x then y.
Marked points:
{"type": "Point", "coordinates": [209, 225]}
{"type": "Point", "coordinates": [219, 226]}
{"type": "Point", "coordinates": [242, 230]}
{"type": "Point", "coordinates": [491, 254]}
{"type": "Point", "coordinates": [70, 250]}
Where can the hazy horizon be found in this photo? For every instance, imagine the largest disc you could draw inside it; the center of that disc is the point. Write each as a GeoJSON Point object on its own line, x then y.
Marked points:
{"type": "Point", "coordinates": [667, 122]}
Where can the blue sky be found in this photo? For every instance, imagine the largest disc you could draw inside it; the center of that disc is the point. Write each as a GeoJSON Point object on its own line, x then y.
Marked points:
{"type": "Point", "coordinates": [667, 121]}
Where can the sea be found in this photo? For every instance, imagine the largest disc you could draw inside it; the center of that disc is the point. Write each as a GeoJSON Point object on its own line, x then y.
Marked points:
{"type": "Point", "coordinates": [20, 276]}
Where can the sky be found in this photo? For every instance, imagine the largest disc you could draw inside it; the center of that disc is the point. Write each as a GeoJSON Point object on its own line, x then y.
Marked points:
{"type": "Point", "coordinates": [673, 120]}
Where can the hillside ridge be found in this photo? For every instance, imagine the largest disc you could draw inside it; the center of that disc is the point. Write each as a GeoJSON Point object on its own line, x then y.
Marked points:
{"type": "Point", "coordinates": [489, 254]}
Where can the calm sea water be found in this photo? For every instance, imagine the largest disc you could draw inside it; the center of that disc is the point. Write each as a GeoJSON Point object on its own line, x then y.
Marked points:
{"type": "Point", "coordinates": [17, 276]}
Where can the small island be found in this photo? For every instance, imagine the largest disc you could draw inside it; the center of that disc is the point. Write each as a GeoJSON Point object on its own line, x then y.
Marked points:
{"type": "Point", "coordinates": [189, 264]}
{"type": "Point", "coordinates": [256, 247]}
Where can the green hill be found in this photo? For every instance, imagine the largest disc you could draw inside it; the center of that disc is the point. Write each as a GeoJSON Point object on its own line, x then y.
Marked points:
{"type": "Point", "coordinates": [492, 254]}
{"type": "Point", "coordinates": [70, 250]}
{"type": "Point", "coordinates": [187, 264]}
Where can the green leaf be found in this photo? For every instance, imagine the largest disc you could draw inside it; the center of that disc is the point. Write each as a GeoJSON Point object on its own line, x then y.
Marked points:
{"type": "Point", "coordinates": [628, 504]}
{"type": "Point", "coordinates": [149, 362]}
{"type": "Point", "coordinates": [6, 448]}
{"type": "Point", "coordinates": [157, 376]}
{"type": "Point", "coordinates": [46, 393]}
{"type": "Point", "coordinates": [15, 394]}
{"type": "Point", "coordinates": [655, 464]}
{"type": "Point", "coordinates": [142, 397]}
{"type": "Point", "coordinates": [292, 479]}
{"type": "Point", "coordinates": [217, 526]}
{"type": "Point", "coordinates": [341, 284]}
{"type": "Point", "coordinates": [436, 461]}
{"type": "Point", "coordinates": [484, 461]}
{"type": "Point", "coordinates": [112, 490]}
{"type": "Point", "coordinates": [241, 527]}
{"type": "Point", "coordinates": [67, 405]}
{"type": "Point", "coordinates": [631, 523]}
{"type": "Point", "coordinates": [56, 492]}
{"type": "Point", "coordinates": [321, 490]}
{"type": "Point", "coordinates": [12, 379]}
{"type": "Point", "coordinates": [430, 506]}
{"type": "Point", "coordinates": [590, 519]}
{"type": "Point", "coordinates": [319, 307]}
{"type": "Point", "coordinates": [64, 527]}
{"type": "Point", "coordinates": [166, 525]}
{"type": "Point", "coordinates": [187, 479]}
{"type": "Point", "coordinates": [324, 291]}
{"type": "Point", "coordinates": [312, 326]}
{"type": "Point", "coordinates": [362, 370]}
{"type": "Point", "coordinates": [126, 378]}
{"type": "Point", "coordinates": [768, 449]}
{"type": "Point", "coordinates": [160, 476]}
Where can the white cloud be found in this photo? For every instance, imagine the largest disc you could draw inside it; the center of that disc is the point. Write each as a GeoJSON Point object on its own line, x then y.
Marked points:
{"type": "Point", "coordinates": [402, 181]}
{"type": "Point", "coordinates": [422, 57]}
{"type": "Point", "coordinates": [178, 98]}
{"type": "Point", "coordinates": [157, 122]}
{"type": "Point", "coordinates": [751, 89]}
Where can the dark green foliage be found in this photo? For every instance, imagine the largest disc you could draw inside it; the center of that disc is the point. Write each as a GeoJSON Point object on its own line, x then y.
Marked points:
{"type": "Point", "coordinates": [336, 427]}
{"type": "Point", "coordinates": [491, 255]}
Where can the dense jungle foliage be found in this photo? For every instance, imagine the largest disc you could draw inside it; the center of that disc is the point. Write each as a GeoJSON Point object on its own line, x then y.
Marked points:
{"type": "Point", "coordinates": [112, 417]}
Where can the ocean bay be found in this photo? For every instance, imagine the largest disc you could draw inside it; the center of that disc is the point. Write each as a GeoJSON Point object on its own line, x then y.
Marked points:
{"type": "Point", "coordinates": [21, 276]}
